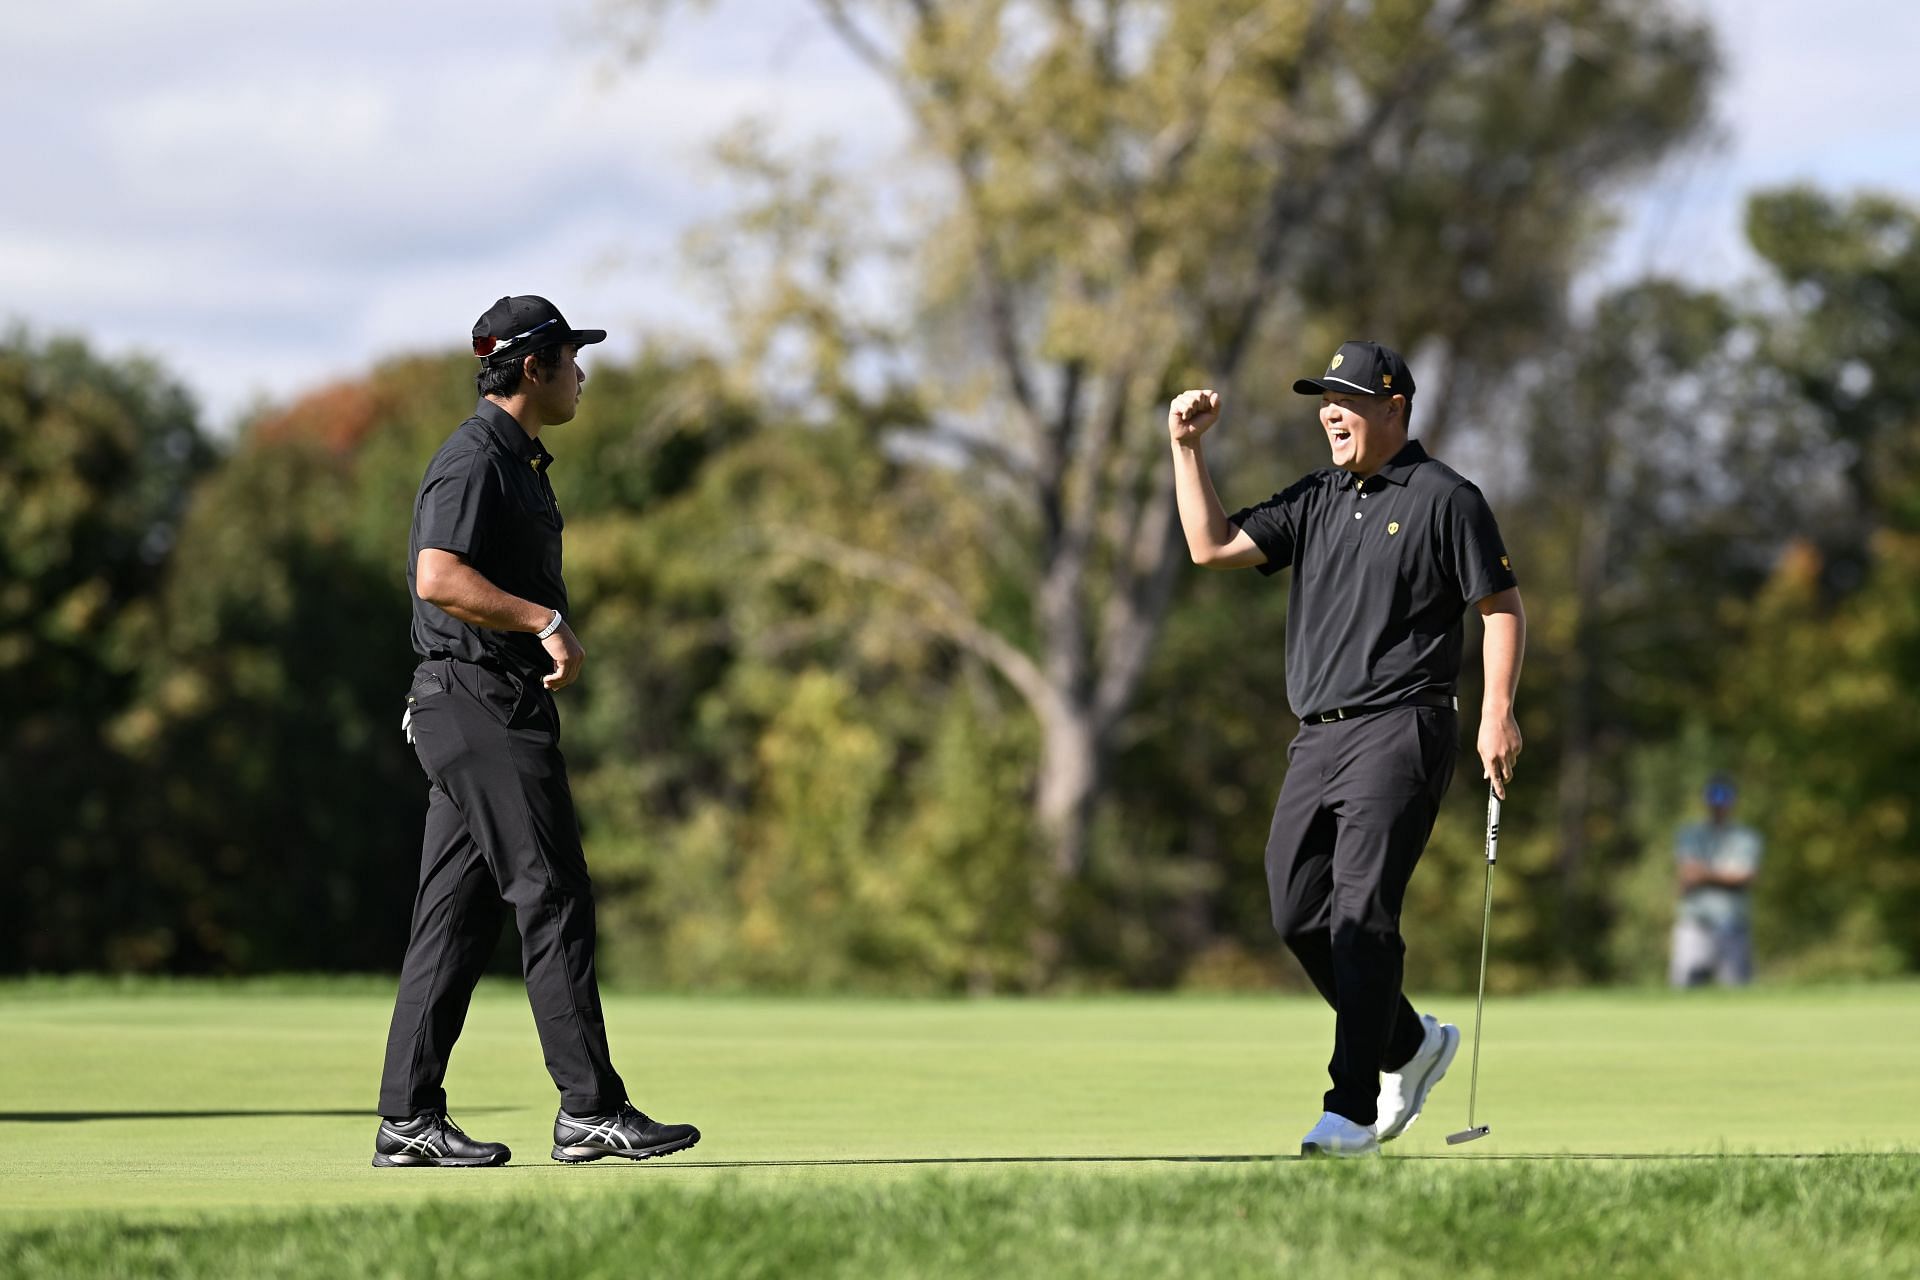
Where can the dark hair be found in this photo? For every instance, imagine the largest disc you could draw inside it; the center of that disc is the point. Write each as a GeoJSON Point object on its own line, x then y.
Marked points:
{"type": "Point", "coordinates": [504, 379]}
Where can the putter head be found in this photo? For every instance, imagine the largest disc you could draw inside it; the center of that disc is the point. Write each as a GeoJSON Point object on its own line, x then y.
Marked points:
{"type": "Point", "coordinates": [1468, 1135]}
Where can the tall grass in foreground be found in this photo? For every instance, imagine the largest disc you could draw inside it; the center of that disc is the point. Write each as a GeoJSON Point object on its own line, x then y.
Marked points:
{"type": "Point", "coordinates": [1714, 1216]}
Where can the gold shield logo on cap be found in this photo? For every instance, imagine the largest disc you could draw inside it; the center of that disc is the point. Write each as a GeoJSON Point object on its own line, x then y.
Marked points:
{"type": "Point", "coordinates": [1337, 358]}
{"type": "Point", "coordinates": [1386, 379]}
{"type": "Point", "coordinates": [1393, 527]}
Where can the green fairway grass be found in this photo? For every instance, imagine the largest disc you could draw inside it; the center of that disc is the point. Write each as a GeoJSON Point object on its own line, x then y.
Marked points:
{"type": "Point", "coordinates": [1726, 1216]}
{"type": "Point", "coordinates": [167, 1125]}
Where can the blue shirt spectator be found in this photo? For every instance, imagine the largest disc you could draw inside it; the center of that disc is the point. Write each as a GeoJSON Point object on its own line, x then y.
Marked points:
{"type": "Point", "coordinates": [1717, 861]}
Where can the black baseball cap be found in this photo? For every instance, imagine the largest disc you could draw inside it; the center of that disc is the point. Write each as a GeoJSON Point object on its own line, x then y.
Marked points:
{"type": "Point", "coordinates": [513, 327]}
{"type": "Point", "coordinates": [1364, 367]}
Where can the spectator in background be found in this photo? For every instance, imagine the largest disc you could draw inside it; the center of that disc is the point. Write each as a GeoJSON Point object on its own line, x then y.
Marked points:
{"type": "Point", "coordinates": [1718, 858]}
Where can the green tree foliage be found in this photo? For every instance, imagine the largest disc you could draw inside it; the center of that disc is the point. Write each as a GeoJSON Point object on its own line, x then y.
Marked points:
{"type": "Point", "coordinates": [1132, 197]}
{"type": "Point", "coordinates": [834, 622]}
{"type": "Point", "coordinates": [1660, 476]}
{"type": "Point", "coordinates": [1821, 700]}
{"type": "Point", "coordinates": [1850, 337]}
{"type": "Point", "coordinates": [779, 787]}
{"type": "Point", "coordinates": [274, 674]}
{"type": "Point", "coordinates": [1732, 588]}
{"type": "Point", "coordinates": [95, 459]}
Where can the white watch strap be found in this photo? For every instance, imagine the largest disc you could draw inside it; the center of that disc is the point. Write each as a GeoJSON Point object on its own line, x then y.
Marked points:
{"type": "Point", "coordinates": [552, 626]}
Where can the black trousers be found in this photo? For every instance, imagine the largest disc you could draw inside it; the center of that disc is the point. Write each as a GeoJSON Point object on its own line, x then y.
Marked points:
{"type": "Point", "coordinates": [1353, 817]}
{"type": "Point", "coordinates": [501, 833]}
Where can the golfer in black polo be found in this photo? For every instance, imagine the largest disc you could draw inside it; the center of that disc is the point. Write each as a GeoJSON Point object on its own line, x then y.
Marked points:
{"type": "Point", "coordinates": [489, 623]}
{"type": "Point", "coordinates": [1389, 548]}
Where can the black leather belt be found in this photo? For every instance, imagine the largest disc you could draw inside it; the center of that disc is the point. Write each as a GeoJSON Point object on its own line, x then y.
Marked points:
{"type": "Point", "coordinates": [1433, 698]}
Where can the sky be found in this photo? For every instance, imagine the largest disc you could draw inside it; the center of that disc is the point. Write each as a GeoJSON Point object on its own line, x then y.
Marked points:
{"type": "Point", "coordinates": [266, 197]}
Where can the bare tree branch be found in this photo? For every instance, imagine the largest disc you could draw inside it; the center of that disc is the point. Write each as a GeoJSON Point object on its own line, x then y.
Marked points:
{"type": "Point", "coordinates": [1002, 319]}
{"type": "Point", "coordinates": [1002, 312]}
{"type": "Point", "coordinates": [1167, 153]}
{"type": "Point", "coordinates": [947, 611]}
{"type": "Point", "coordinates": [862, 45]}
{"type": "Point", "coordinates": [1134, 616]}
{"type": "Point", "coordinates": [1091, 460]}
{"type": "Point", "coordinates": [1058, 458]}
{"type": "Point", "coordinates": [1126, 481]}
{"type": "Point", "coordinates": [988, 454]}
{"type": "Point", "coordinates": [1291, 204]}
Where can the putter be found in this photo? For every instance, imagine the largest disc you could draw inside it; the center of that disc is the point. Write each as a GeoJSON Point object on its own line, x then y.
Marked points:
{"type": "Point", "coordinates": [1472, 1131]}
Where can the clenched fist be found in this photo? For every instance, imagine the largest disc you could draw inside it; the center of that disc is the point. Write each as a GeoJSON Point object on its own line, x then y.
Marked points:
{"type": "Point", "coordinates": [1191, 413]}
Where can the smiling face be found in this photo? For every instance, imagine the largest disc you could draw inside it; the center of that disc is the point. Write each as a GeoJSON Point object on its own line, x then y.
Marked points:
{"type": "Point", "coordinates": [1363, 431]}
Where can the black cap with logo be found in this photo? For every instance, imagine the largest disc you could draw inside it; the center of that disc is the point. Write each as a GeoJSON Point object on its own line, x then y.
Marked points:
{"type": "Point", "coordinates": [514, 327]}
{"type": "Point", "coordinates": [1363, 367]}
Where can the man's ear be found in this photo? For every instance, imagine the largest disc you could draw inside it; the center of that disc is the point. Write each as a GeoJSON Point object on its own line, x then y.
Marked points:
{"type": "Point", "coordinates": [1400, 408]}
{"type": "Point", "coordinates": [530, 368]}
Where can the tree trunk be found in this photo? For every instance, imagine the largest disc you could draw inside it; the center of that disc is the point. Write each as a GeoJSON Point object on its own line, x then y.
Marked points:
{"type": "Point", "coordinates": [1593, 534]}
{"type": "Point", "coordinates": [1069, 779]}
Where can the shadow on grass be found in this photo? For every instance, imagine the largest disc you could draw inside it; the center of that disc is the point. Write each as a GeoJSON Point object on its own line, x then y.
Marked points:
{"type": "Point", "coordinates": [1267, 1159]}
{"type": "Point", "coordinates": [83, 1117]}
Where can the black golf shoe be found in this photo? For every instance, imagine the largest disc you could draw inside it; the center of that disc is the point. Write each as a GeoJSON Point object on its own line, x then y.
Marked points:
{"type": "Point", "coordinates": [430, 1140]}
{"type": "Point", "coordinates": [628, 1133]}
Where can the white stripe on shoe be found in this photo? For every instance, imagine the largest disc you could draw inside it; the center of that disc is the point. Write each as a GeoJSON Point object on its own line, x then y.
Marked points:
{"type": "Point", "coordinates": [423, 1145]}
{"type": "Point", "coordinates": [608, 1133]}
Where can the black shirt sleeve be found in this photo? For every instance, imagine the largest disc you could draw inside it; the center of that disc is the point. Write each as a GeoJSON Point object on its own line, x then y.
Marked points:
{"type": "Point", "coordinates": [1475, 557]}
{"type": "Point", "coordinates": [1274, 525]}
{"type": "Point", "coordinates": [457, 502]}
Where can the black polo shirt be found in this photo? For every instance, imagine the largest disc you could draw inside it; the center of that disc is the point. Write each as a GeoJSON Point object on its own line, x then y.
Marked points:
{"type": "Point", "coordinates": [1382, 572]}
{"type": "Point", "coordinates": [486, 498]}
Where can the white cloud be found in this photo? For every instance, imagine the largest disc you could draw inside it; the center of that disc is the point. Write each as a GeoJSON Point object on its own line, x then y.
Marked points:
{"type": "Point", "coordinates": [272, 195]}
{"type": "Point", "coordinates": [1804, 99]}
{"type": "Point", "coordinates": [268, 197]}
{"type": "Point", "coordinates": [224, 146]}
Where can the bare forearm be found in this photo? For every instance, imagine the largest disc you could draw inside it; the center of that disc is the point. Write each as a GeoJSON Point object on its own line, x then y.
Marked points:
{"type": "Point", "coordinates": [465, 593]}
{"type": "Point", "coordinates": [1502, 651]}
{"type": "Point", "coordinates": [1212, 540]}
{"type": "Point", "coordinates": [1202, 518]}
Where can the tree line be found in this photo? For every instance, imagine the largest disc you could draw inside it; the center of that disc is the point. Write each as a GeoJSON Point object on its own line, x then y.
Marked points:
{"type": "Point", "coordinates": [897, 677]}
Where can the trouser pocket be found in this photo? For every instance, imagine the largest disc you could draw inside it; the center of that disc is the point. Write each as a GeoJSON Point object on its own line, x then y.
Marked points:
{"type": "Point", "coordinates": [1436, 733]}
{"type": "Point", "coordinates": [498, 693]}
{"type": "Point", "coordinates": [426, 685]}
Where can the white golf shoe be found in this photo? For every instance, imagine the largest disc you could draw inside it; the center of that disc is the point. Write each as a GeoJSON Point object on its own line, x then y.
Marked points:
{"type": "Point", "coordinates": [1339, 1136]}
{"type": "Point", "coordinates": [1404, 1092]}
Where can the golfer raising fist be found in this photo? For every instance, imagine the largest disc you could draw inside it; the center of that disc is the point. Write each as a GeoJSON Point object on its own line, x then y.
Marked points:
{"type": "Point", "coordinates": [1389, 548]}
{"type": "Point", "coordinates": [1191, 414]}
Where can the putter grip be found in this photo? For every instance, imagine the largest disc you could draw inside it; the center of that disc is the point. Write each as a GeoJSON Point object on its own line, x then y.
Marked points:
{"type": "Point", "coordinates": [1493, 827]}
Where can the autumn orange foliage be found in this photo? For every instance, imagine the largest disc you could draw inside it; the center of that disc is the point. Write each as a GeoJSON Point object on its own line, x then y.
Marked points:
{"type": "Point", "coordinates": [337, 417]}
